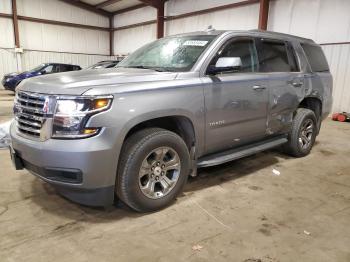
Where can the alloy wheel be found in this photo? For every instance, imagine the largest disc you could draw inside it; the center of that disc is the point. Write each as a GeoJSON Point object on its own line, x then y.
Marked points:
{"type": "Point", "coordinates": [159, 172]}
{"type": "Point", "coordinates": [306, 134]}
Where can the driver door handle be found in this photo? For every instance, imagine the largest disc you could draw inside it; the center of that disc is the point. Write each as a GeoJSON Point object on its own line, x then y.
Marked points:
{"type": "Point", "coordinates": [258, 87]}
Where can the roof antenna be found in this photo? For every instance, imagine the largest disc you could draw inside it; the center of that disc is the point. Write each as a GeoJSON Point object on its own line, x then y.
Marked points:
{"type": "Point", "coordinates": [210, 29]}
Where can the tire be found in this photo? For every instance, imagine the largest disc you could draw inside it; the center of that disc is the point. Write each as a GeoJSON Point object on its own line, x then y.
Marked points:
{"type": "Point", "coordinates": [138, 187]}
{"type": "Point", "coordinates": [303, 134]}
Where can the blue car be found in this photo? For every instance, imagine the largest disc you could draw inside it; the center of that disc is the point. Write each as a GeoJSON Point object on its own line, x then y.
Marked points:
{"type": "Point", "coordinates": [11, 81]}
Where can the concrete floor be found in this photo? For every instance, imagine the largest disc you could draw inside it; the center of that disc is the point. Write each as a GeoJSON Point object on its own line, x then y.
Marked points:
{"type": "Point", "coordinates": [236, 212]}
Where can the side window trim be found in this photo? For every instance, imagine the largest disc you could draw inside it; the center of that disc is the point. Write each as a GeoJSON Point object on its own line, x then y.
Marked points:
{"type": "Point", "coordinates": [292, 58]}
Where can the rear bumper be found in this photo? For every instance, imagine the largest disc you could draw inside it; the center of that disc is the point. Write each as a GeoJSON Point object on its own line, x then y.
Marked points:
{"type": "Point", "coordinates": [83, 170]}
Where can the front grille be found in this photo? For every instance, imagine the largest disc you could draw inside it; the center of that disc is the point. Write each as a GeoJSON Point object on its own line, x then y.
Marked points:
{"type": "Point", "coordinates": [29, 113]}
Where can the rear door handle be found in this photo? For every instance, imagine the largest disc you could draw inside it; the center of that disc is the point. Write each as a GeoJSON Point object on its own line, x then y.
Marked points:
{"type": "Point", "coordinates": [257, 87]}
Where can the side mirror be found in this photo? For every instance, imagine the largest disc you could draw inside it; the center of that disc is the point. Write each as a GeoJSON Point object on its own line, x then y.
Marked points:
{"type": "Point", "coordinates": [226, 64]}
{"type": "Point", "coordinates": [43, 72]}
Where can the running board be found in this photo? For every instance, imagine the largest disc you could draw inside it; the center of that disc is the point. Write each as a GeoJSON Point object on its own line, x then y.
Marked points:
{"type": "Point", "coordinates": [233, 154]}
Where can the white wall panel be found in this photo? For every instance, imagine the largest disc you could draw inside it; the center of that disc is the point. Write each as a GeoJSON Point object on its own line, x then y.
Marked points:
{"type": "Point", "coordinates": [322, 20]}
{"type": "Point", "coordinates": [177, 7]}
{"type": "Point", "coordinates": [6, 7]}
{"type": "Point", "coordinates": [136, 16]}
{"type": "Point", "coordinates": [59, 11]}
{"type": "Point", "coordinates": [127, 41]}
{"type": "Point", "coordinates": [7, 62]}
{"type": "Point", "coordinates": [338, 58]}
{"type": "Point", "coordinates": [46, 37]}
{"type": "Point", "coordinates": [7, 36]}
{"type": "Point", "coordinates": [240, 18]}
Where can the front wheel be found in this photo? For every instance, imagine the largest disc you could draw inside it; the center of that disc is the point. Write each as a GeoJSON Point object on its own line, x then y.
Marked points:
{"type": "Point", "coordinates": [153, 169]}
{"type": "Point", "coordinates": [303, 134]}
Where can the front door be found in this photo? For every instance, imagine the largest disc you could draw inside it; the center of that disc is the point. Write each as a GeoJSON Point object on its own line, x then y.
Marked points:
{"type": "Point", "coordinates": [235, 101]}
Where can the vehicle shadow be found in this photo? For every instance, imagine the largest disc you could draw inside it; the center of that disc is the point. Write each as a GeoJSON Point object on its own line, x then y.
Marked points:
{"type": "Point", "coordinates": [213, 176]}
{"type": "Point", "coordinates": [50, 201]}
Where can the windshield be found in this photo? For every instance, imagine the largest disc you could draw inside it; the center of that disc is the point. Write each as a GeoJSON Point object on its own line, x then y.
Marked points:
{"type": "Point", "coordinates": [177, 54]}
{"type": "Point", "coordinates": [38, 68]}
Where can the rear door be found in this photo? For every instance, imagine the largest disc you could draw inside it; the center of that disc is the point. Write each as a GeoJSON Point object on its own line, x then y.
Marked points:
{"type": "Point", "coordinates": [277, 59]}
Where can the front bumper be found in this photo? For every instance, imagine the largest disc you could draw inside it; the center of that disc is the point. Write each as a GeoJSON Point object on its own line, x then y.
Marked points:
{"type": "Point", "coordinates": [83, 170]}
{"type": "Point", "coordinates": [8, 85]}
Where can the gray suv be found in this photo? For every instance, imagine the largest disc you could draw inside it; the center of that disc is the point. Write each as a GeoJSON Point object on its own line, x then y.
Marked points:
{"type": "Point", "coordinates": [136, 132]}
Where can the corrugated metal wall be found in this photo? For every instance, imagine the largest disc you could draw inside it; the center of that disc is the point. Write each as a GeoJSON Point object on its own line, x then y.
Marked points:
{"type": "Point", "coordinates": [60, 43]}
{"type": "Point", "coordinates": [338, 57]}
{"type": "Point", "coordinates": [243, 18]}
{"type": "Point", "coordinates": [61, 38]}
{"type": "Point", "coordinates": [128, 40]}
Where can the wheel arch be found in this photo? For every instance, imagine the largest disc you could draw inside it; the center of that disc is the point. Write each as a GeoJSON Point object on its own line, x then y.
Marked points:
{"type": "Point", "coordinates": [182, 125]}
{"type": "Point", "coordinates": [314, 104]}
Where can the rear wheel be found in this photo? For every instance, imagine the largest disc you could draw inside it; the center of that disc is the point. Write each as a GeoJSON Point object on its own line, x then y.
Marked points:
{"type": "Point", "coordinates": [153, 169]}
{"type": "Point", "coordinates": [303, 134]}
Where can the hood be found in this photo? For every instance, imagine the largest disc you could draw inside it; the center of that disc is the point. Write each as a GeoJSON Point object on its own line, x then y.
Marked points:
{"type": "Point", "coordinates": [11, 74]}
{"type": "Point", "coordinates": [78, 82]}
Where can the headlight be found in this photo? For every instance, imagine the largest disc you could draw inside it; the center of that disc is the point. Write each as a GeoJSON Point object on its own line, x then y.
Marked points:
{"type": "Point", "coordinates": [72, 114]}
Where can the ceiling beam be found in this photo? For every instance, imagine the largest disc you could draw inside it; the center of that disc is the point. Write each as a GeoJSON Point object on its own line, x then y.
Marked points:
{"type": "Point", "coordinates": [160, 20]}
{"type": "Point", "coordinates": [131, 8]}
{"type": "Point", "coordinates": [264, 14]}
{"type": "Point", "coordinates": [153, 3]}
{"type": "Point", "coordinates": [53, 22]}
{"type": "Point", "coordinates": [106, 3]}
{"type": "Point", "coordinates": [88, 7]}
{"type": "Point", "coordinates": [15, 22]}
{"type": "Point", "coordinates": [111, 36]}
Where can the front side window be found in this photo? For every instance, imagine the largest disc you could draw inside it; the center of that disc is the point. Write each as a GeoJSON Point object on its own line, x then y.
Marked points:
{"type": "Point", "coordinates": [244, 49]}
{"type": "Point", "coordinates": [38, 68]}
{"type": "Point", "coordinates": [49, 69]}
{"type": "Point", "coordinates": [273, 57]}
{"type": "Point", "coordinates": [177, 54]}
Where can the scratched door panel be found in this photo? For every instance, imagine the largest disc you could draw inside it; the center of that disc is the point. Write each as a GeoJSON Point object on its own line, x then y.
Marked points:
{"type": "Point", "coordinates": [236, 112]}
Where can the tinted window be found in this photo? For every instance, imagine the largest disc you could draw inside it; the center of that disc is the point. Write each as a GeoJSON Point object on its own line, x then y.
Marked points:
{"type": "Point", "coordinates": [49, 69]}
{"type": "Point", "coordinates": [244, 49]}
{"type": "Point", "coordinates": [56, 69]}
{"type": "Point", "coordinates": [64, 68]}
{"type": "Point", "coordinates": [273, 57]}
{"type": "Point", "coordinates": [316, 57]}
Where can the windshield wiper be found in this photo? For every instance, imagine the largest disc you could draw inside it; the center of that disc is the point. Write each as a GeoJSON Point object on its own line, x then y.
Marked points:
{"type": "Point", "coordinates": [158, 69]}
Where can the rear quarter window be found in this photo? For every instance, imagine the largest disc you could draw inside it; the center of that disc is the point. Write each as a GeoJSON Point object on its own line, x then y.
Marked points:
{"type": "Point", "coordinates": [316, 58]}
